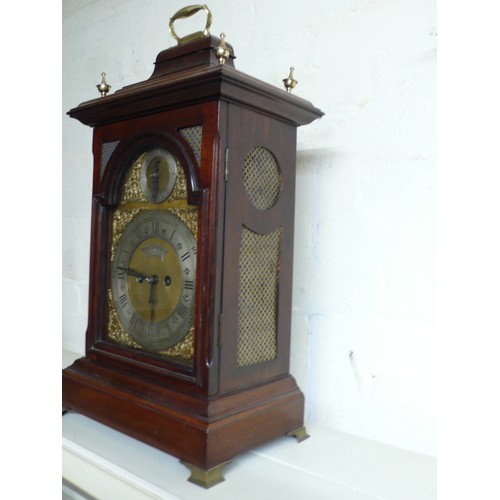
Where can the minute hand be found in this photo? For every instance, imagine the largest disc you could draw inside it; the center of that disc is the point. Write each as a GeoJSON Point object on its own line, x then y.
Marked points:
{"type": "Point", "coordinates": [132, 272]}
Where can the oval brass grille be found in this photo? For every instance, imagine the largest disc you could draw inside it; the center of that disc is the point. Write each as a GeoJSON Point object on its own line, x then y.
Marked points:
{"type": "Point", "coordinates": [261, 178]}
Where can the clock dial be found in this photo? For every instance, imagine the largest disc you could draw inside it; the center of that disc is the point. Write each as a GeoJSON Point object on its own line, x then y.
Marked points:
{"type": "Point", "coordinates": [153, 279]}
{"type": "Point", "coordinates": [158, 173]}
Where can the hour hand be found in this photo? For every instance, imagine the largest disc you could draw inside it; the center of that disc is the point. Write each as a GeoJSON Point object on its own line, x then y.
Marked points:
{"type": "Point", "coordinates": [152, 300]}
{"type": "Point", "coordinates": [131, 272]}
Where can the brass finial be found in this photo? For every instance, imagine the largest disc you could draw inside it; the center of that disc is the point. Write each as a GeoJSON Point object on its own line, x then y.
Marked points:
{"type": "Point", "coordinates": [103, 87]}
{"type": "Point", "coordinates": [290, 83]}
{"type": "Point", "coordinates": [222, 52]}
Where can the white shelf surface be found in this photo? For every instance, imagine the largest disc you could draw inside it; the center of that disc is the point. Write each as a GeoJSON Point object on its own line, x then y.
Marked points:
{"type": "Point", "coordinates": [106, 464]}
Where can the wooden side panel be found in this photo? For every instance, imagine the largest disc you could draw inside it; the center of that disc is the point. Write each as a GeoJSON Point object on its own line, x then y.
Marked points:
{"type": "Point", "coordinates": [258, 255]}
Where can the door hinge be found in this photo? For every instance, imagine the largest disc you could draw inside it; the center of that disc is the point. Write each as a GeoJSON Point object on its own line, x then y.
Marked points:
{"type": "Point", "coordinates": [219, 340]}
{"type": "Point", "coordinates": [226, 165]}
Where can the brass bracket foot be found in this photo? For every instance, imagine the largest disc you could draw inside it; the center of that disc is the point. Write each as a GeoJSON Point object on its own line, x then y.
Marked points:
{"type": "Point", "coordinates": [299, 434]}
{"type": "Point", "coordinates": [205, 477]}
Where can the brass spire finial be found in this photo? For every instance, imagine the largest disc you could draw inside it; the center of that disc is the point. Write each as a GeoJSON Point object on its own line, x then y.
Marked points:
{"type": "Point", "coordinates": [290, 83]}
{"type": "Point", "coordinates": [222, 52]}
{"type": "Point", "coordinates": [103, 87]}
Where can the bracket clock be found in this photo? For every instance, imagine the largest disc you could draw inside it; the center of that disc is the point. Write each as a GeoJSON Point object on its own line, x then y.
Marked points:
{"type": "Point", "coordinates": [188, 338]}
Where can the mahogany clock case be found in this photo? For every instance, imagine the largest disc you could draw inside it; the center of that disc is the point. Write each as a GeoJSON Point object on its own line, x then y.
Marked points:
{"type": "Point", "coordinates": [233, 394]}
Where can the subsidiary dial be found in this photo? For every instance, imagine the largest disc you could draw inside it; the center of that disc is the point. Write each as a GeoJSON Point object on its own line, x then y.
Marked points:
{"type": "Point", "coordinates": [158, 174]}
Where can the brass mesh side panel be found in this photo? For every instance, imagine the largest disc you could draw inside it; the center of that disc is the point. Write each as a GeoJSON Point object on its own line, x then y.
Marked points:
{"type": "Point", "coordinates": [261, 178]}
{"type": "Point", "coordinates": [107, 150]}
{"type": "Point", "coordinates": [259, 268]}
{"type": "Point", "coordinates": [192, 135]}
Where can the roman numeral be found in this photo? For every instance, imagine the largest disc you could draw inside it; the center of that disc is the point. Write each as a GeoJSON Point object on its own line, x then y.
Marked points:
{"type": "Point", "coordinates": [123, 300]}
{"type": "Point", "coordinates": [182, 310]}
{"type": "Point", "coordinates": [156, 226]}
{"type": "Point", "coordinates": [185, 256]}
{"type": "Point", "coordinates": [133, 320]}
{"type": "Point", "coordinates": [189, 285]}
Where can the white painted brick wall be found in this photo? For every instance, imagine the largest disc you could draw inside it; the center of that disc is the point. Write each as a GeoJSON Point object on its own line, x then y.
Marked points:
{"type": "Point", "coordinates": [363, 345]}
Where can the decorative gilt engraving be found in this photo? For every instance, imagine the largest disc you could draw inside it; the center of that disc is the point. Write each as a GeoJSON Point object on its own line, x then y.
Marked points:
{"type": "Point", "coordinates": [123, 215]}
{"type": "Point", "coordinates": [183, 350]}
{"type": "Point", "coordinates": [121, 218]}
{"type": "Point", "coordinates": [115, 328]}
{"type": "Point", "coordinates": [188, 216]}
{"type": "Point", "coordinates": [132, 203]}
{"type": "Point", "coordinates": [180, 188]}
{"type": "Point", "coordinates": [132, 192]}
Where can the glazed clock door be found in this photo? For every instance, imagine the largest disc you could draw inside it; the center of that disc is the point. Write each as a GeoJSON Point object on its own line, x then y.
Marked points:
{"type": "Point", "coordinates": [152, 260]}
{"type": "Point", "coordinates": [257, 281]}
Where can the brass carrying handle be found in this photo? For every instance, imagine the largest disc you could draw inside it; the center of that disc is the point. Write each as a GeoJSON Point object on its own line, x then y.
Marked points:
{"type": "Point", "coordinates": [188, 12]}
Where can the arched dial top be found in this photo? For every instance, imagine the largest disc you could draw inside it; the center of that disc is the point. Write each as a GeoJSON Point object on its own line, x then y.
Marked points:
{"type": "Point", "coordinates": [153, 279]}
